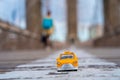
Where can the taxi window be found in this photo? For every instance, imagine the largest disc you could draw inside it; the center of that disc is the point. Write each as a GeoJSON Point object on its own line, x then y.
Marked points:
{"type": "Point", "coordinates": [66, 57]}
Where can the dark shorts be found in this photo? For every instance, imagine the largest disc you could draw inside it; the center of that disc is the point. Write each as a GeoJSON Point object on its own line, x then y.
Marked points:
{"type": "Point", "coordinates": [44, 39]}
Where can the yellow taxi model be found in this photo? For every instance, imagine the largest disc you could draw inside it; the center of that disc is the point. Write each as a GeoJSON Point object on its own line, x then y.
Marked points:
{"type": "Point", "coordinates": [67, 61]}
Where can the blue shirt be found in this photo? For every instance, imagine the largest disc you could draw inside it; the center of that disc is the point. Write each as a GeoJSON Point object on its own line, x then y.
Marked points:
{"type": "Point", "coordinates": [47, 23]}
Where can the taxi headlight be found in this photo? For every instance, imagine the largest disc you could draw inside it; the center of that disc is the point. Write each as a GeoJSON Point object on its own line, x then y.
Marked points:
{"type": "Point", "coordinates": [75, 62]}
{"type": "Point", "coordinates": [58, 63]}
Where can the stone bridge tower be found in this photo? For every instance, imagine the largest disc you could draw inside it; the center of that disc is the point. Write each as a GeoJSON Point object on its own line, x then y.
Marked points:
{"type": "Point", "coordinates": [112, 24]}
{"type": "Point", "coordinates": [72, 20]}
{"type": "Point", "coordinates": [112, 15]}
{"type": "Point", "coordinates": [33, 14]}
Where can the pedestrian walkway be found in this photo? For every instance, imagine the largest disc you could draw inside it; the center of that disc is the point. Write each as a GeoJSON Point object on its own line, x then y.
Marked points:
{"type": "Point", "coordinates": [91, 67]}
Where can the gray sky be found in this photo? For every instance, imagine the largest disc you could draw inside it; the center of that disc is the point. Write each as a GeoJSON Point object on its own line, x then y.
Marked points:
{"type": "Point", "coordinates": [89, 12]}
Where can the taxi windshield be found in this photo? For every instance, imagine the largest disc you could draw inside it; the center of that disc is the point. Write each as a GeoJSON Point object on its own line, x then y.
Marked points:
{"type": "Point", "coordinates": [66, 57]}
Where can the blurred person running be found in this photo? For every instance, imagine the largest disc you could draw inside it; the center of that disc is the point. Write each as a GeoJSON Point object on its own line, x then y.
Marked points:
{"type": "Point", "coordinates": [47, 26]}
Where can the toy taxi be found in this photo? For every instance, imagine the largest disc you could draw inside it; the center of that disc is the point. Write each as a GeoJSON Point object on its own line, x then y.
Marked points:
{"type": "Point", "coordinates": [67, 61]}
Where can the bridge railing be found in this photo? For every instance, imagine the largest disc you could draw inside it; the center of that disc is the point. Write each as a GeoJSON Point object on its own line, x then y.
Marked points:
{"type": "Point", "coordinates": [111, 39]}
{"type": "Point", "coordinates": [14, 38]}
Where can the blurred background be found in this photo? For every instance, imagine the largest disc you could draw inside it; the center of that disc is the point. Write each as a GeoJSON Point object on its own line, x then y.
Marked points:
{"type": "Point", "coordinates": [84, 23]}
{"type": "Point", "coordinates": [32, 30]}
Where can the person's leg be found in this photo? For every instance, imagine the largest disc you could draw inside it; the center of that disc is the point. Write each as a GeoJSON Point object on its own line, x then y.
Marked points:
{"type": "Point", "coordinates": [44, 40]}
{"type": "Point", "coordinates": [47, 40]}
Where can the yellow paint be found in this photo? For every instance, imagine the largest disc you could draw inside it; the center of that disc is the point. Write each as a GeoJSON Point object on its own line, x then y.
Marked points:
{"type": "Point", "coordinates": [73, 61]}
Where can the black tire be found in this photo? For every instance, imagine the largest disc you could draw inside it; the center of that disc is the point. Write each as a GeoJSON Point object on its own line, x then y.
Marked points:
{"type": "Point", "coordinates": [75, 70]}
{"type": "Point", "coordinates": [58, 71]}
